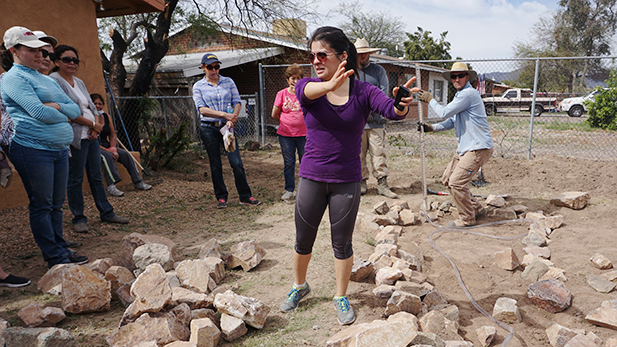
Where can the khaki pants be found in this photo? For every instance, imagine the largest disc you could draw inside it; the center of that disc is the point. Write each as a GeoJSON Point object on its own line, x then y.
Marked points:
{"type": "Point", "coordinates": [459, 172]}
{"type": "Point", "coordinates": [373, 145]}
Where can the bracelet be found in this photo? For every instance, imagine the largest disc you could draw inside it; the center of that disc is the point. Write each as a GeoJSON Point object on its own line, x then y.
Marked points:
{"type": "Point", "coordinates": [93, 125]}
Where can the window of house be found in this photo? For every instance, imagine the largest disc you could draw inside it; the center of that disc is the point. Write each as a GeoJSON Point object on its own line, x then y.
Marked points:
{"type": "Point", "coordinates": [438, 90]}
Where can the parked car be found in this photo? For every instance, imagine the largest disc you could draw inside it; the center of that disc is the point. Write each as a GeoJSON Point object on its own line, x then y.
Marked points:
{"type": "Point", "coordinates": [576, 106]}
{"type": "Point", "coordinates": [519, 100]}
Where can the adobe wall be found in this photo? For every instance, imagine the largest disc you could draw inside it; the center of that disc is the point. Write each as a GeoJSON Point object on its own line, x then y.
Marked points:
{"type": "Point", "coordinates": [72, 22]}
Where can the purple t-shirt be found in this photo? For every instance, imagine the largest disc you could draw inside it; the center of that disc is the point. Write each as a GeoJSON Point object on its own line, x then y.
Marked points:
{"type": "Point", "coordinates": [334, 133]}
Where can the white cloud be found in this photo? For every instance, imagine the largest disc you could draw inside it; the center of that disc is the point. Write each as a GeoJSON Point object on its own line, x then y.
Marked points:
{"type": "Point", "coordinates": [477, 29]}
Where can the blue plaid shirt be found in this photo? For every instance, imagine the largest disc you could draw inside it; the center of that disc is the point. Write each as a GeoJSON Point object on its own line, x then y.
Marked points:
{"type": "Point", "coordinates": [215, 97]}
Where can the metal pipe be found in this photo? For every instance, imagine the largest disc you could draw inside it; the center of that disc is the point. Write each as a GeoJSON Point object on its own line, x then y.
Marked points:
{"type": "Point", "coordinates": [262, 105]}
{"type": "Point", "coordinates": [533, 107]}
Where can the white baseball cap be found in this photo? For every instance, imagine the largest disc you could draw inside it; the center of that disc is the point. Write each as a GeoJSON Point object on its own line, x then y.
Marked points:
{"type": "Point", "coordinates": [22, 36]}
{"type": "Point", "coordinates": [45, 38]}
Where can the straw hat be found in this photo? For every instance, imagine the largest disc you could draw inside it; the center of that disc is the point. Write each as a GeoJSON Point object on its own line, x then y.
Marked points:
{"type": "Point", "coordinates": [363, 47]}
{"type": "Point", "coordinates": [460, 67]}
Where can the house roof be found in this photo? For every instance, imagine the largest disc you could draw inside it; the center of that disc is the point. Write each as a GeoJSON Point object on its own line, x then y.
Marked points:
{"type": "Point", "coordinates": [112, 8]}
{"type": "Point", "coordinates": [189, 63]}
{"type": "Point", "coordinates": [380, 58]}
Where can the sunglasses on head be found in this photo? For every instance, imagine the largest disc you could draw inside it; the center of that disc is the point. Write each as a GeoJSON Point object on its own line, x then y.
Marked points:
{"type": "Point", "coordinates": [213, 67]}
{"type": "Point", "coordinates": [46, 54]}
{"type": "Point", "coordinates": [322, 56]}
{"type": "Point", "coordinates": [68, 60]}
{"type": "Point", "coordinates": [460, 75]}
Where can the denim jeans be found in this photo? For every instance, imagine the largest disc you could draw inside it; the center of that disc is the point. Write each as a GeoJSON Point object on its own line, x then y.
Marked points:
{"type": "Point", "coordinates": [44, 175]}
{"type": "Point", "coordinates": [213, 141]}
{"type": "Point", "coordinates": [88, 157]}
{"type": "Point", "coordinates": [289, 145]}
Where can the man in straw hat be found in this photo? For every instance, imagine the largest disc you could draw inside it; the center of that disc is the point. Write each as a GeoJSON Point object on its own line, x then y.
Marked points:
{"type": "Point", "coordinates": [467, 116]}
{"type": "Point", "coordinates": [374, 131]}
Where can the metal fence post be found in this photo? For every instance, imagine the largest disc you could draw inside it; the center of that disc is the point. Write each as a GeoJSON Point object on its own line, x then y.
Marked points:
{"type": "Point", "coordinates": [262, 105]}
{"type": "Point", "coordinates": [165, 118]}
{"type": "Point", "coordinates": [533, 107]}
{"type": "Point", "coordinates": [255, 113]}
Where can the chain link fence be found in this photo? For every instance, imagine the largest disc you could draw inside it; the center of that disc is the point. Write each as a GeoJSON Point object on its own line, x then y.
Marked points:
{"type": "Point", "coordinates": [554, 87]}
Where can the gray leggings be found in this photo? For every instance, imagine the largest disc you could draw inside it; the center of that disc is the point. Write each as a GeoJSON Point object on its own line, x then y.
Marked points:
{"type": "Point", "coordinates": [311, 201]}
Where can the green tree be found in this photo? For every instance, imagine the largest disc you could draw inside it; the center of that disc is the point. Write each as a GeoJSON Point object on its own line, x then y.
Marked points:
{"type": "Point", "coordinates": [422, 46]}
{"type": "Point", "coordinates": [379, 29]}
{"type": "Point", "coordinates": [603, 110]}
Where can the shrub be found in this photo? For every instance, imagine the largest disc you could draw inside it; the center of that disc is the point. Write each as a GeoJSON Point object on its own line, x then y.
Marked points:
{"type": "Point", "coordinates": [603, 109]}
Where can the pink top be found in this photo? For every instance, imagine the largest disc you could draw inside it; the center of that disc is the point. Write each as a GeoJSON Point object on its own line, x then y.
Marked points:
{"type": "Point", "coordinates": [292, 119]}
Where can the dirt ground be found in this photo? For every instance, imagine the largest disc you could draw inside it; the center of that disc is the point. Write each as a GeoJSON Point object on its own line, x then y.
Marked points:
{"type": "Point", "coordinates": [181, 207]}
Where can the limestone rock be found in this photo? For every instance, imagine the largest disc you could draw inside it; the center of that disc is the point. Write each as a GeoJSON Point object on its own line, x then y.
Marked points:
{"type": "Point", "coordinates": [204, 313]}
{"type": "Point", "coordinates": [384, 220]}
{"type": "Point", "coordinates": [130, 242]}
{"type": "Point", "coordinates": [520, 209]}
{"type": "Point", "coordinates": [601, 262]}
{"type": "Point", "coordinates": [434, 298]}
{"type": "Point", "coordinates": [384, 291]}
{"type": "Point", "coordinates": [445, 206]}
{"type": "Point", "coordinates": [194, 274]}
{"type": "Point", "coordinates": [232, 327]}
{"type": "Point", "coordinates": [404, 205]}
{"type": "Point", "coordinates": [100, 265]}
{"type": "Point", "coordinates": [153, 253]}
{"type": "Point", "coordinates": [535, 239]}
{"type": "Point", "coordinates": [211, 248]}
{"type": "Point", "coordinates": [3, 325]}
{"type": "Point", "coordinates": [437, 323]}
{"type": "Point", "coordinates": [611, 276]}
{"type": "Point", "coordinates": [250, 310]}
{"type": "Point", "coordinates": [573, 200]}
{"type": "Point", "coordinates": [428, 339]}
{"type": "Point", "coordinates": [394, 216]}
{"type": "Point", "coordinates": [381, 208]}
{"type": "Point", "coordinates": [181, 344]}
{"type": "Point", "coordinates": [449, 311]}
{"type": "Point", "coordinates": [364, 223]}
{"type": "Point", "coordinates": [554, 273]}
{"type": "Point", "coordinates": [414, 260]}
{"type": "Point", "coordinates": [403, 302]}
{"type": "Point", "coordinates": [611, 342]}
{"type": "Point", "coordinates": [581, 340]}
{"type": "Point", "coordinates": [501, 213]}
{"type": "Point", "coordinates": [151, 292]}
{"type": "Point", "coordinates": [400, 264]}
{"type": "Point", "coordinates": [38, 337]}
{"type": "Point", "coordinates": [247, 254]}
{"type": "Point", "coordinates": [361, 269]}
{"type": "Point", "coordinates": [53, 279]}
{"type": "Point", "coordinates": [600, 284]}
{"type": "Point", "coordinates": [204, 333]}
{"type": "Point", "coordinates": [550, 295]}
{"type": "Point", "coordinates": [605, 315]}
{"type": "Point", "coordinates": [407, 217]}
{"type": "Point", "coordinates": [34, 315]}
{"type": "Point", "coordinates": [124, 294]}
{"type": "Point", "coordinates": [486, 334]}
{"type": "Point", "coordinates": [505, 310]}
{"type": "Point", "coordinates": [387, 235]}
{"type": "Point", "coordinates": [390, 250]}
{"type": "Point", "coordinates": [554, 222]}
{"type": "Point", "coordinates": [172, 277]}
{"type": "Point", "coordinates": [534, 271]}
{"type": "Point", "coordinates": [530, 258]}
{"type": "Point", "coordinates": [387, 275]}
{"type": "Point", "coordinates": [395, 333]}
{"type": "Point", "coordinates": [559, 335]}
{"type": "Point", "coordinates": [84, 291]}
{"type": "Point", "coordinates": [194, 300]}
{"type": "Point", "coordinates": [118, 276]}
{"type": "Point", "coordinates": [506, 259]}
{"type": "Point", "coordinates": [380, 261]}
{"type": "Point", "coordinates": [164, 328]}
{"type": "Point", "coordinates": [496, 201]}
{"type": "Point", "coordinates": [412, 287]}
{"type": "Point", "coordinates": [217, 268]}
{"type": "Point", "coordinates": [540, 252]}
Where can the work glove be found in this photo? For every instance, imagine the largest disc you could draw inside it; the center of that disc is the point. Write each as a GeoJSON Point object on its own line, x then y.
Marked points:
{"type": "Point", "coordinates": [427, 127]}
{"type": "Point", "coordinates": [425, 96]}
{"type": "Point", "coordinates": [5, 171]}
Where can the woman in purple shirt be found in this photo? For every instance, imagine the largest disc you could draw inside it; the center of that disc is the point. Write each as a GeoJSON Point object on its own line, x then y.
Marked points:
{"type": "Point", "coordinates": [336, 107]}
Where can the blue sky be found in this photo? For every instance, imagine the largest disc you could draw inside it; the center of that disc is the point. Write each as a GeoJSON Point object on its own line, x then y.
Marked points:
{"type": "Point", "coordinates": [477, 29]}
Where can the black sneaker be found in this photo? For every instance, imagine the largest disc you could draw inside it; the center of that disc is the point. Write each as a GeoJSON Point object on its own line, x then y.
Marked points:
{"type": "Point", "coordinates": [221, 203]}
{"type": "Point", "coordinates": [78, 259]}
{"type": "Point", "coordinates": [14, 281]}
{"type": "Point", "coordinates": [250, 201]}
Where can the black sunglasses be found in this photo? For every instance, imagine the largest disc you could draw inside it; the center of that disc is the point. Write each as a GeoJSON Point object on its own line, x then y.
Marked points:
{"type": "Point", "coordinates": [461, 75]}
{"type": "Point", "coordinates": [68, 60]}
{"type": "Point", "coordinates": [322, 56]}
{"type": "Point", "coordinates": [213, 67]}
{"type": "Point", "coordinates": [46, 54]}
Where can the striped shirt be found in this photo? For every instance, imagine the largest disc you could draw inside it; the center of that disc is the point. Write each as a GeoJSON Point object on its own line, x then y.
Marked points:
{"type": "Point", "coordinates": [215, 97]}
{"type": "Point", "coordinates": [6, 127]}
{"type": "Point", "coordinates": [24, 91]}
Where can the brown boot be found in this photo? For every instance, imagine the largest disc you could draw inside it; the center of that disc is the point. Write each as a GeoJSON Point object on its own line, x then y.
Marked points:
{"type": "Point", "coordinates": [382, 188]}
{"type": "Point", "coordinates": [363, 187]}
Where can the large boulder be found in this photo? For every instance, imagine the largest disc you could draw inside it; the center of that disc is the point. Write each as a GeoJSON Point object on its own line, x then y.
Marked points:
{"type": "Point", "coordinates": [247, 254]}
{"type": "Point", "coordinates": [250, 310]}
{"type": "Point", "coordinates": [132, 241]}
{"type": "Point", "coordinates": [38, 337]}
{"type": "Point", "coordinates": [153, 253]}
{"type": "Point", "coordinates": [84, 291]}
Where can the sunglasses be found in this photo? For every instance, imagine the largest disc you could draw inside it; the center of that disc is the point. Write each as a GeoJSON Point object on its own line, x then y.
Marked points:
{"type": "Point", "coordinates": [213, 67]}
{"type": "Point", "coordinates": [68, 60]}
{"type": "Point", "coordinates": [456, 76]}
{"type": "Point", "coordinates": [46, 54]}
{"type": "Point", "coordinates": [322, 56]}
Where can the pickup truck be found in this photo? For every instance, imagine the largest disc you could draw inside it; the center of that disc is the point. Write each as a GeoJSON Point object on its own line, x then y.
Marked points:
{"type": "Point", "coordinates": [576, 106]}
{"type": "Point", "coordinates": [518, 100]}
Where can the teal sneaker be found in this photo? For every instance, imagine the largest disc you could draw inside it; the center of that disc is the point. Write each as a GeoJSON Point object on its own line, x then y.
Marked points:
{"type": "Point", "coordinates": [294, 297]}
{"type": "Point", "coordinates": [344, 312]}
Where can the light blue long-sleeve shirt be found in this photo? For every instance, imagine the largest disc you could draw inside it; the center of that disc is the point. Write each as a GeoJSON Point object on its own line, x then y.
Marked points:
{"type": "Point", "coordinates": [466, 114]}
{"type": "Point", "coordinates": [215, 97]}
{"type": "Point", "coordinates": [24, 91]}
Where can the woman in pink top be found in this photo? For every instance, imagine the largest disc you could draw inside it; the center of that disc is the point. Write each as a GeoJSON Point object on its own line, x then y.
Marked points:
{"type": "Point", "coordinates": [292, 131]}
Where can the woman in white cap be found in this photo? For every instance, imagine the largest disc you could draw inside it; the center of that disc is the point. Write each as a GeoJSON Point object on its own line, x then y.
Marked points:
{"type": "Point", "coordinates": [41, 113]}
